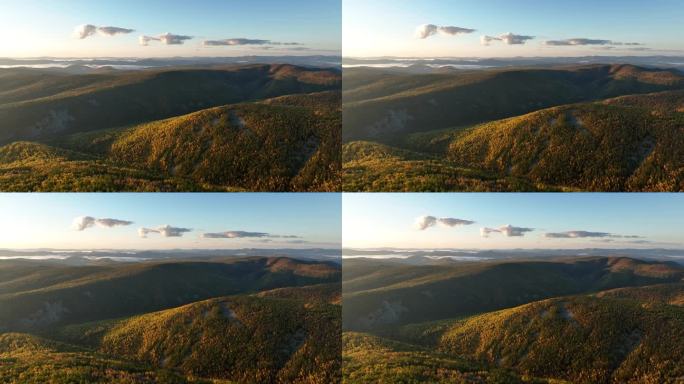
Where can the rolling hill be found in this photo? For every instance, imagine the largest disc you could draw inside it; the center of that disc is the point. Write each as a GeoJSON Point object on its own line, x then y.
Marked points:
{"type": "Point", "coordinates": [242, 320]}
{"type": "Point", "coordinates": [123, 290]}
{"type": "Point", "coordinates": [373, 359]}
{"type": "Point", "coordinates": [238, 338]}
{"type": "Point", "coordinates": [286, 143]}
{"type": "Point", "coordinates": [48, 104]}
{"type": "Point", "coordinates": [250, 127]}
{"type": "Point", "coordinates": [378, 294]}
{"type": "Point", "coordinates": [595, 335]}
{"type": "Point", "coordinates": [590, 128]}
{"type": "Point", "coordinates": [379, 106]}
{"type": "Point", "coordinates": [34, 360]}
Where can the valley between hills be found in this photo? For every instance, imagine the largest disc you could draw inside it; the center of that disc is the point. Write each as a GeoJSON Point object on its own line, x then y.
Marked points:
{"type": "Point", "coordinates": [239, 127]}
{"type": "Point", "coordinates": [554, 320]}
{"type": "Point", "coordinates": [215, 320]}
{"type": "Point", "coordinates": [540, 128]}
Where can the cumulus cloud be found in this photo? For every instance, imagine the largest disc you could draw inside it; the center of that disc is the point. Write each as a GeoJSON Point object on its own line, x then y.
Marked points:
{"type": "Point", "coordinates": [234, 235]}
{"type": "Point", "coordinates": [586, 234]}
{"type": "Point", "coordinates": [424, 222]}
{"type": "Point", "coordinates": [111, 31]}
{"type": "Point", "coordinates": [579, 41]}
{"type": "Point", "coordinates": [507, 38]}
{"type": "Point", "coordinates": [506, 230]}
{"type": "Point", "coordinates": [145, 40]}
{"type": "Point", "coordinates": [164, 230]}
{"type": "Point", "coordinates": [82, 222]}
{"type": "Point", "coordinates": [238, 41]}
{"type": "Point", "coordinates": [245, 234]}
{"type": "Point", "coordinates": [244, 41]}
{"type": "Point", "coordinates": [166, 38]}
{"type": "Point", "coordinates": [583, 41]}
{"type": "Point", "coordinates": [426, 30]}
{"type": "Point", "coordinates": [86, 30]}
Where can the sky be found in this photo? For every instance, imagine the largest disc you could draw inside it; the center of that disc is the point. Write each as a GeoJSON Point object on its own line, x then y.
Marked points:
{"type": "Point", "coordinates": [573, 28]}
{"type": "Point", "coordinates": [153, 221]}
{"type": "Point", "coordinates": [39, 28]}
{"type": "Point", "coordinates": [527, 221]}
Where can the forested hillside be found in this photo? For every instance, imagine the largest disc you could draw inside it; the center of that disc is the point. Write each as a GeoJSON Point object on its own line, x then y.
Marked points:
{"type": "Point", "coordinates": [243, 320]}
{"type": "Point", "coordinates": [254, 127]}
{"type": "Point", "coordinates": [597, 320]}
{"type": "Point", "coordinates": [588, 128]}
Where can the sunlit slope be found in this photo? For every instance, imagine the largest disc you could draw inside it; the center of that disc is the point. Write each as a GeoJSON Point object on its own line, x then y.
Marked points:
{"type": "Point", "coordinates": [672, 294]}
{"type": "Point", "coordinates": [629, 143]}
{"type": "Point", "coordinates": [372, 359]}
{"type": "Point", "coordinates": [278, 336]}
{"type": "Point", "coordinates": [133, 289]}
{"type": "Point", "coordinates": [262, 146]}
{"type": "Point", "coordinates": [30, 167]}
{"type": "Point", "coordinates": [369, 166]}
{"type": "Point", "coordinates": [389, 105]}
{"type": "Point", "coordinates": [624, 335]}
{"type": "Point", "coordinates": [581, 339]}
{"type": "Point", "coordinates": [285, 143]}
{"type": "Point", "coordinates": [400, 294]}
{"type": "Point", "coordinates": [245, 339]}
{"type": "Point", "coordinates": [634, 143]}
{"type": "Point", "coordinates": [35, 360]}
{"type": "Point", "coordinates": [91, 102]}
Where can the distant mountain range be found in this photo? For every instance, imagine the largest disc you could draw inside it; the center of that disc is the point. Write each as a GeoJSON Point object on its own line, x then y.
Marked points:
{"type": "Point", "coordinates": [436, 256]}
{"type": "Point", "coordinates": [418, 64]}
{"type": "Point", "coordinates": [133, 63]}
{"type": "Point", "coordinates": [103, 256]}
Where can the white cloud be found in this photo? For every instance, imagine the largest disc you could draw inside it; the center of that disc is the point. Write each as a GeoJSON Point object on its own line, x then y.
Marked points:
{"type": "Point", "coordinates": [86, 30]}
{"type": "Point", "coordinates": [166, 38]}
{"type": "Point", "coordinates": [506, 230]}
{"type": "Point", "coordinates": [507, 38]}
{"type": "Point", "coordinates": [587, 234]}
{"type": "Point", "coordinates": [238, 41]}
{"type": "Point", "coordinates": [245, 234]}
{"type": "Point", "coordinates": [424, 222]}
{"type": "Point", "coordinates": [111, 31]}
{"type": "Point", "coordinates": [266, 44]}
{"type": "Point", "coordinates": [83, 222]}
{"type": "Point", "coordinates": [584, 41]}
{"type": "Point", "coordinates": [235, 235]}
{"type": "Point", "coordinates": [164, 230]}
{"type": "Point", "coordinates": [426, 30]}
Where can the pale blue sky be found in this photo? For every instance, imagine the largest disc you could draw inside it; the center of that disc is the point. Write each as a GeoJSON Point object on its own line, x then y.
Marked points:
{"type": "Point", "coordinates": [387, 220]}
{"type": "Point", "coordinates": [45, 220]}
{"type": "Point", "coordinates": [386, 27]}
{"type": "Point", "coordinates": [32, 28]}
